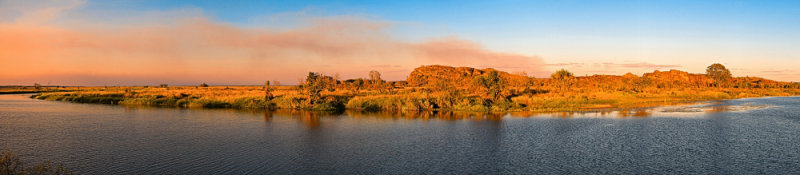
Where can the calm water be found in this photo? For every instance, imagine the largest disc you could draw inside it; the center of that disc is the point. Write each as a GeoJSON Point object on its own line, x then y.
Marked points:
{"type": "Point", "coordinates": [748, 136]}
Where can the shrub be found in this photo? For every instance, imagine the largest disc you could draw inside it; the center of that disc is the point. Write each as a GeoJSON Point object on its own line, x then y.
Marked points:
{"type": "Point", "coordinates": [390, 103]}
{"type": "Point", "coordinates": [249, 103]}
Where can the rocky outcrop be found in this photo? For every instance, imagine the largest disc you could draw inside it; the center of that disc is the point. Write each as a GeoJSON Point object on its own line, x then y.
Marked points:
{"type": "Point", "coordinates": [426, 75]}
{"type": "Point", "coordinates": [464, 76]}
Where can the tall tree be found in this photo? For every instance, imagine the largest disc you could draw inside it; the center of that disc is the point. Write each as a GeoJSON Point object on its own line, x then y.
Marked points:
{"type": "Point", "coordinates": [336, 81]}
{"type": "Point", "coordinates": [314, 84]}
{"type": "Point", "coordinates": [375, 78]}
{"type": "Point", "coordinates": [561, 75]}
{"type": "Point", "coordinates": [719, 73]}
{"type": "Point", "coordinates": [374, 75]}
{"type": "Point", "coordinates": [267, 91]}
{"type": "Point", "coordinates": [492, 84]}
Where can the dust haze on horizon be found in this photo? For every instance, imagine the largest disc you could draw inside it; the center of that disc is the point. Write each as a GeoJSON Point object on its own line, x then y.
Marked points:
{"type": "Point", "coordinates": [99, 43]}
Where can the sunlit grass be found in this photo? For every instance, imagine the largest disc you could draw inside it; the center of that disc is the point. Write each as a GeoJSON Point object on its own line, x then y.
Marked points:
{"type": "Point", "coordinates": [402, 99]}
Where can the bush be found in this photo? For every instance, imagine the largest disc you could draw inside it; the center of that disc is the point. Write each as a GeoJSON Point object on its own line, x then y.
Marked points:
{"type": "Point", "coordinates": [249, 103]}
{"type": "Point", "coordinates": [505, 105]}
{"type": "Point", "coordinates": [288, 102]}
{"type": "Point", "coordinates": [390, 103]}
{"type": "Point", "coordinates": [472, 105]}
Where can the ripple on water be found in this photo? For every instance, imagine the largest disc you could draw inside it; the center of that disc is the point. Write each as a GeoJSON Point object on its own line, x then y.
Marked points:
{"type": "Point", "coordinates": [748, 136]}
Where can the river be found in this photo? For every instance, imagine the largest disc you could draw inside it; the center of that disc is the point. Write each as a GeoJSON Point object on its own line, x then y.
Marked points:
{"type": "Point", "coordinates": [745, 136]}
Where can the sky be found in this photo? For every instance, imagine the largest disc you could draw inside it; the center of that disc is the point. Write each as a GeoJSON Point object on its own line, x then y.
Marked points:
{"type": "Point", "coordinates": [142, 42]}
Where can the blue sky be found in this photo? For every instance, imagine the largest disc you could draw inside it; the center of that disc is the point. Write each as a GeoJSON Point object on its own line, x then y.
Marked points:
{"type": "Point", "coordinates": [525, 17]}
{"type": "Point", "coordinates": [525, 25]}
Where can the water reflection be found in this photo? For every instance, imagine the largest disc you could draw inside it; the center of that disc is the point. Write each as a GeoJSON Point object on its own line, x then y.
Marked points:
{"type": "Point", "coordinates": [106, 139]}
{"type": "Point", "coordinates": [313, 119]}
{"type": "Point", "coordinates": [426, 115]}
{"type": "Point", "coordinates": [267, 116]}
{"type": "Point", "coordinates": [634, 113]}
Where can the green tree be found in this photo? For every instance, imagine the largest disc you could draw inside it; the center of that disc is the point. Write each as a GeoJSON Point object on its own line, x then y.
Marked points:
{"type": "Point", "coordinates": [718, 73]}
{"type": "Point", "coordinates": [562, 74]}
{"type": "Point", "coordinates": [492, 85]}
{"type": "Point", "coordinates": [357, 84]}
{"type": "Point", "coordinates": [314, 84]}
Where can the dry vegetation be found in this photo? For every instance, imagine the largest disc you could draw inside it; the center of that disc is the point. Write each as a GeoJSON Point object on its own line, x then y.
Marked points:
{"type": "Point", "coordinates": [36, 88]}
{"type": "Point", "coordinates": [444, 88]}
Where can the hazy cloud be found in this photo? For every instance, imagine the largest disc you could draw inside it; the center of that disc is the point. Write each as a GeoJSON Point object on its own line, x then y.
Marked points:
{"type": "Point", "coordinates": [640, 65]}
{"type": "Point", "coordinates": [785, 71]}
{"type": "Point", "coordinates": [386, 66]}
{"type": "Point", "coordinates": [565, 64]}
{"type": "Point", "coordinates": [191, 48]}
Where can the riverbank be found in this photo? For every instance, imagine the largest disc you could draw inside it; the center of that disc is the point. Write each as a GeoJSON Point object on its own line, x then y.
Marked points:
{"type": "Point", "coordinates": [445, 88]}
{"type": "Point", "coordinates": [405, 99]}
{"type": "Point", "coordinates": [32, 89]}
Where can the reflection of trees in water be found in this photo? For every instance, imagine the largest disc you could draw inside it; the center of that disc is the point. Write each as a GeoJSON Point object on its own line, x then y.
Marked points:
{"type": "Point", "coordinates": [612, 113]}
{"type": "Point", "coordinates": [634, 113]}
{"type": "Point", "coordinates": [718, 109]}
{"type": "Point", "coordinates": [313, 118]}
{"type": "Point", "coordinates": [487, 139]}
{"type": "Point", "coordinates": [426, 115]}
{"type": "Point", "coordinates": [716, 138]}
{"type": "Point", "coordinates": [267, 116]}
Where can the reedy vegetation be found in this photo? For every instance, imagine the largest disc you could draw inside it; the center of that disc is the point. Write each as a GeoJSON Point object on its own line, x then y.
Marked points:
{"type": "Point", "coordinates": [36, 88]}
{"type": "Point", "coordinates": [446, 88]}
